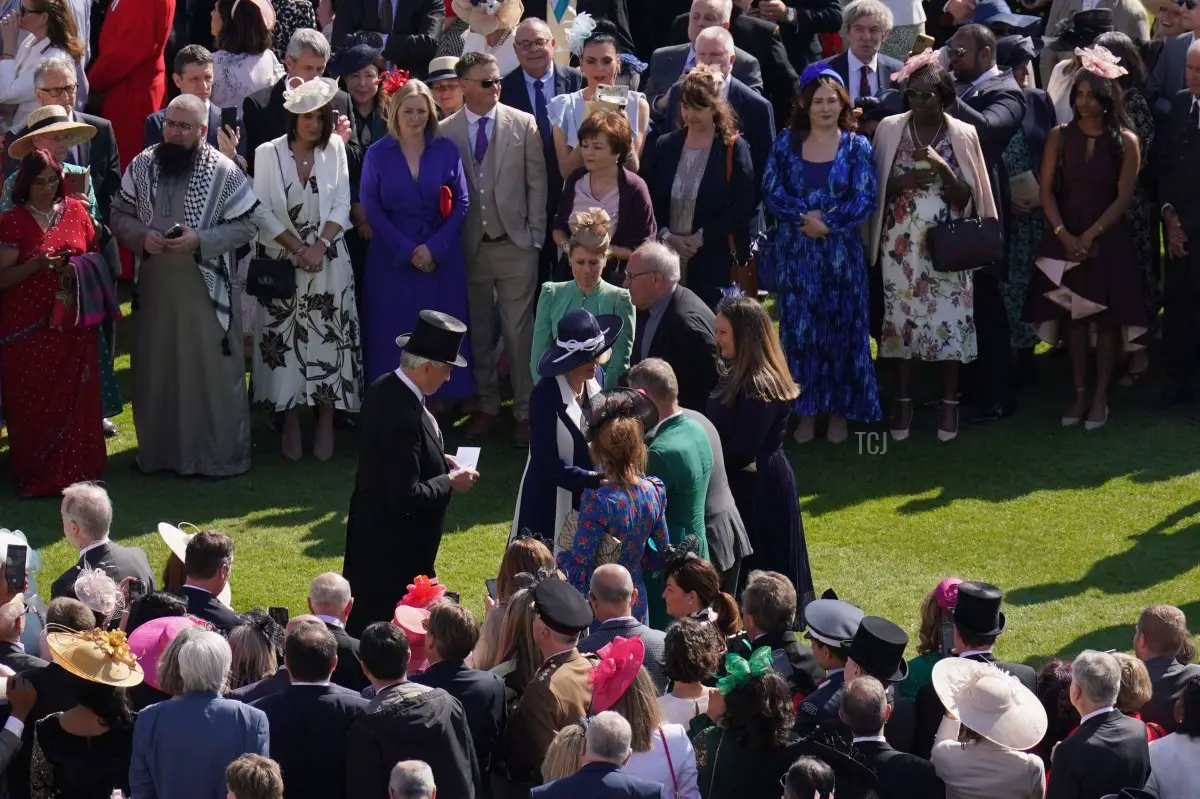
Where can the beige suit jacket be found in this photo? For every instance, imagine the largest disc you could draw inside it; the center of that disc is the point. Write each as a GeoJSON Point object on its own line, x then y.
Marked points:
{"type": "Point", "coordinates": [1129, 18]}
{"type": "Point", "coordinates": [518, 166]}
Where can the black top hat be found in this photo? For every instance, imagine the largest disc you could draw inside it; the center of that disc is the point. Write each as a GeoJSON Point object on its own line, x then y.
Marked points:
{"type": "Point", "coordinates": [878, 649]}
{"type": "Point", "coordinates": [1082, 29]}
{"type": "Point", "coordinates": [437, 337]}
{"type": "Point", "coordinates": [1015, 51]}
{"type": "Point", "coordinates": [978, 609]}
{"type": "Point", "coordinates": [580, 338]}
{"type": "Point", "coordinates": [617, 403]}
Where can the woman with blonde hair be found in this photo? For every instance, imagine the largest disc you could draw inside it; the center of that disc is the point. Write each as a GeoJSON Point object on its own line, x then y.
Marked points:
{"type": "Point", "coordinates": [750, 408]}
{"type": "Point", "coordinates": [414, 193]}
{"type": "Point", "coordinates": [52, 33]}
{"type": "Point", "coordinates": [1135, 692]}
{"type": "Point", "coordinates": [525, 558]}
{"type": "Point", "coordinates": [565, 753]}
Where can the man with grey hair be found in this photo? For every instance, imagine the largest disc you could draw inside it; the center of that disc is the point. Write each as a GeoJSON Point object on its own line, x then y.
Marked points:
{"type": "Point", "coordinates": [12, 626]}
{"type": "Point", "coordinates": [613, 594]}
{"type": "Point", "coordinates": [672, 323]}
{"type": "Point", "coordinates": [865, 710]}
{"type": "Point", "coordinates": [865, 71]}
{"type": "Point", "coordinates": [330, 600]}
{"type": "Point", "coordinates": [606, 748]}
{"type": "Point", "coordinates": [1108, 752]}
{"type": "Point", "coordinates": [409, 29]}
{"type": "Point", "coordinates": [86, 518]}
{"type": "Point", "coordinates": [411, 779]}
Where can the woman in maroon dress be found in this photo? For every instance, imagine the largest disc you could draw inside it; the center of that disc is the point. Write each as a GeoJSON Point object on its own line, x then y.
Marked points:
{"type": "Point", "coordinates": [48, 377]}
{"type": "Point", "coordinates": [1088, 275]}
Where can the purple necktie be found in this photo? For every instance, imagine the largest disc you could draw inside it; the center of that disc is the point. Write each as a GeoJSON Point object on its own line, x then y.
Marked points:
{"type": "Point", "coordinates": [481, 140]}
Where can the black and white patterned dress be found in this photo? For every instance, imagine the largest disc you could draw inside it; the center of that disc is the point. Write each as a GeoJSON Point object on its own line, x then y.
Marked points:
{"type": "Point", "coordinates": [290, 15]}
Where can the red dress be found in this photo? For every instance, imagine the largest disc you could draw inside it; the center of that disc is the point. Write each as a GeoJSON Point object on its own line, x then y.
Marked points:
{"type": "Point", "coordinates": [48, 376]}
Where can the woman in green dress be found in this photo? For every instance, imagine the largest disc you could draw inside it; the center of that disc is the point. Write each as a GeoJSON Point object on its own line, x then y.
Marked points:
{"type": "Point", "coordinates": [936, 609]}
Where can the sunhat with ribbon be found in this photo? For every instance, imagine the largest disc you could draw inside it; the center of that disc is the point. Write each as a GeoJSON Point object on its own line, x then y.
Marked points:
{"type": "Point", "coordinates": [581, 337]}
{"type": "Point", "coordinates": [177, 541]}
{"type": "Point", "coordinates": [990, 702]}
{"type": "Point", "coordinates": [309, 95]}
{"type": "Point", "coordinates": [149, 640]}
{"type": "Point", "coordinates": [620, 661]}
{"type": "Point", "coordinates": [101, 656]}
{"type": "Point", "coordinates": [48, 120]}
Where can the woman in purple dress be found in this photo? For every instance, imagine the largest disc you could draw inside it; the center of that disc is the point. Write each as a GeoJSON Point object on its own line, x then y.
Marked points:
{"type": "Point", "coordinates": [414, 192]}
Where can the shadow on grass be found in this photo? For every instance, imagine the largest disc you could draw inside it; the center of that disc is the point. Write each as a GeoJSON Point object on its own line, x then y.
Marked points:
{"type": "Point", "coordinates": [1116, 636]}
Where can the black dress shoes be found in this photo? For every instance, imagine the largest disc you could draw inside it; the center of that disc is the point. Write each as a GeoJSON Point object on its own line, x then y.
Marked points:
{"type": "Point", "coordinates": [995, 412]}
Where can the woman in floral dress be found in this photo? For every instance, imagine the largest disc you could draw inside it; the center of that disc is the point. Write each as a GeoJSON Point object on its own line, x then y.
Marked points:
{"type": "Point", "coordinates": [306, 346]}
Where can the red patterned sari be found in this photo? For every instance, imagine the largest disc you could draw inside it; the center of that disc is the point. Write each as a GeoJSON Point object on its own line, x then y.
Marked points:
{"type": "Point", "coordinates": [49, 376]}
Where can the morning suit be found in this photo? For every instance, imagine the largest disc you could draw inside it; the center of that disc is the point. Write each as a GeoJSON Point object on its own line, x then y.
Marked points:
{"type": "Point", "coordinates": [398, 507]}
{"type": "Point", "coordinates": [668, 64]}
{"type": "Point", "coordinates": [559, 694]}
{"type": "Point", "coordinates": [348, 673]}
{"type": "Point", "coordinates": [756, 121]}
{"type": "Point", "coordinates": [505, 228]}
{"type": "Point", "coordinates": [412, 41]}
{"type": "Point", "coordinates": [1167, 678]}
{"type": "Point", "coordinates": [264, 119]}
{"type": "Point", "coordinates": [685, 338]}
{"type": "Point", "coordinates": [761, 39]}
{"type": "Point", "coordinates": [600, 781]}
{"type": "Point", "coordinates": [207, 607]}
{"type": "Point", "coordinates": [182, 747]}
{"type": "Point", "coordinates": [885, 65]}
{"type": "Point", "coordinates": [628, 627]}
{"type": "Point", "coordinates": [308, 726]}
{"type": "Point", "coordinates": [153, 132]}
{"type": "Point", "coordinates": [1168, 79]}
{"type": "Point", "coordinates": [1104, 755]}
{"type": "Point", "coordinates": [118, 562]}
{"type": "Point", "coordinates": [900, 775]}
{"type": "Point", "coordinates": [14, 656]}
{"type": "Point", "coordinates": [481, 694]}
{"type": "Point", "coordinates": [728, 542]}
{"type": "Point", "coordinates": [1128, 17]}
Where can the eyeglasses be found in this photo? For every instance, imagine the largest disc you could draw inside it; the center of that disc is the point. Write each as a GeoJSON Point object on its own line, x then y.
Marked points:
{"type": "Point", "coordinates": [532, 44]}
{"type": "Point", "coordinates": [59, 91]}
{"type": "Point", "coordinates": [957, 52]}
{"type": "Point", "coordinates": [917, 94]}
{"type": "Point", "coordinates": [487, 83]}
{"type": "Point", "coordinates": [46, 183]}
{"type": "Point", "coordinates": [630, 276]}
{"type": "Point", "coordinates": [182, 127]}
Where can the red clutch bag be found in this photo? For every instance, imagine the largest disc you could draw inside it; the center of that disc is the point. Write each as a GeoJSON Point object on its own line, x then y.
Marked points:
{"type": "Point", "coordinates": [445, 202]}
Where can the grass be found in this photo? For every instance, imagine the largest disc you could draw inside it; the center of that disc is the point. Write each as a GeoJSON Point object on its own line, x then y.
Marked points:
{"type": "Point", "coordinates": [1081, 529]}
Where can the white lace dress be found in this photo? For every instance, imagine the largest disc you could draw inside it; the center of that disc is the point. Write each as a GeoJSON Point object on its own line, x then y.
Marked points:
{"type": "Point", "coordinates": [238, 75]}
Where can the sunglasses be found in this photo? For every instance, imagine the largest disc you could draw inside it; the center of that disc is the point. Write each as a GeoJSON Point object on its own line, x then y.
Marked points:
{"type": "Point", "coordinates": [957, 52]}
{"type": "Point", "coordinates": [918, 94]}
{"type": "Point", "coordinates": [486, 83]}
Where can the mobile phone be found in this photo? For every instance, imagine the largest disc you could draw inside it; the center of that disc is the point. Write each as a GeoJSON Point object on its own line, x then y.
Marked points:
{"type": "Point", "coordinates": [280, 615]}
{"type": "Point", "coordinates": [454, 597]}
{"type": "Point", "coordinates": [174, 232]}
{"type": "Point", "coordinates": [490, 584]}
{"type": "Point", "coordinates": [14, 566]}
{"type": "Point", "coordinates": [229, 118]}
{"type": "Point", "coordinates": [947, 637]}
{"type": "Point", "coordinates": [137, 590]}
{"type": "Point", "coordinates": [923, 43]}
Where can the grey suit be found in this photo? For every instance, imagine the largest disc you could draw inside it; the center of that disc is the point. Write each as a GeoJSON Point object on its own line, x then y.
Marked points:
{"type": "Point", "coordinates": [1167, 78]}
{"type": "Point", "coordinates": [502, 237]}
{"type": "Point", "coordinates": [652, 639]}
{"type": "Point", "coordinates": [728, 542]}
{"type": "Point", "coordinates": [667, 64]}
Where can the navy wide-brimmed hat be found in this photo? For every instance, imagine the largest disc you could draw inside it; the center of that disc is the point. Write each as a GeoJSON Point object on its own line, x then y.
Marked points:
{"type": "Point", "coordinates": [581, 337]}
{"type": "Point", "coordinates": [978, 609]}
{"type": "Point", "coordinates": [437, 337]}
{"type": "Point", "coordinates": [998, 12]}
{"type": "Point", "coordinates": [356, 55]}
{"type": "Point", "coordinates": [1015, 51]}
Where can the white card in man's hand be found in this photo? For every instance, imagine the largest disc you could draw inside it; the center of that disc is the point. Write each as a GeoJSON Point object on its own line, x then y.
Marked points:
{"type": "Point", "coordinates": [468, 458]}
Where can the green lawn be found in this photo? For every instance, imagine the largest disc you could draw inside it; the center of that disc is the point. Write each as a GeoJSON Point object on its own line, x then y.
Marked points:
{"type": "Point", "coordinates": [1082, 529]}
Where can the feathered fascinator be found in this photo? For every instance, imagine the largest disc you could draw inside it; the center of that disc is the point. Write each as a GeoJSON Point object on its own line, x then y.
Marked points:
{"type": "Point", "coordinates": [818, 70]}
{"type": "Point", "coordinates": [591, 228]}
{"type": "Point", "coordinates": [674, 556]}
{"type": "Point", "coordinates": [307, 96]}
{"type": "Point", "coordinates": [270, 629]}
{"type": "Point", "coordinates": [393, 81]}
{"type": "Point", "coordinates": [100, 593]}
{"type": "Point", "coordinates": [913, 64]}
{"type": "Point", "coordinates": [423, 592]}
{"type": "Point", "coordinates": [620, 662]}
{"type": "Point", "coordinates": [617, 403]}
{"type": "Point", "coordinates": [1100, 61]}
{"type": "Point", "coordinates": [579, 32]}
{"type": "Point", "coordinates": [531, 580]}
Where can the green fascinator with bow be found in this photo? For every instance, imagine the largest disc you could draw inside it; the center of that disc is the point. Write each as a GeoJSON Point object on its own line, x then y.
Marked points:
{"type": "Point", "coordinates": [739, 670]}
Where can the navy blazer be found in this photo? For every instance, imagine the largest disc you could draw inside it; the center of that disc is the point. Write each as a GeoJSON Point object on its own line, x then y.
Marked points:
{"type": "Point", "coordinates": [885, 66]}
{"type": "Point", "coordinates": [152, 132]}
{"type": "Point", "coordinates": [206, 607]}
{"type": "Point", "coordinates": [996, 109]}
{"type": "Point", "coordinates": [308, 726]}
{"type": "Point", "coordinates": [654, 641]}
{"type": "Point", "coordinates": [1039, 120]}
{"type": "Point", "coordinates": [267, 686]}
{"type": "Point", "coordinates": [514, 92]}
{"type": "Point", "coordinates": [600, 781]}
{"type": "Point", "coordinates": [481, 694]}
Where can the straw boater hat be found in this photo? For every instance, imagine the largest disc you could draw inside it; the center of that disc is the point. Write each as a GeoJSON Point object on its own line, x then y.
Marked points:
{"type": "Point", "coordinates": [309, 95]}
{"type": "Point", "coordinates": [442, 68]}
{"type": "Point", "coordinates": [177, 541]}
{"type": "Point", "coordinates": [990, 702]}
{"type": "Point", "coordinates": [47, 120]}
{"type": "Point", "coordinates": [96, 655]}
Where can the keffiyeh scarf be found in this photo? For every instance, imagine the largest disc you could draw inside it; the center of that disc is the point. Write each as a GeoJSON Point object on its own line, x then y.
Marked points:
{"type": "Point", "coordinates": [217, 193]}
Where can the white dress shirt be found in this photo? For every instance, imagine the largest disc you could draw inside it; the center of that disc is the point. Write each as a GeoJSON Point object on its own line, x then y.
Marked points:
{"type": "Point", "coordinates": [420, 396]}
{"type": "Point", "coordinates": [473, 127]}
{"type": "Point", "coordinates": [103, 542]}
{"type": "Point", "coordinates": [855, 74]}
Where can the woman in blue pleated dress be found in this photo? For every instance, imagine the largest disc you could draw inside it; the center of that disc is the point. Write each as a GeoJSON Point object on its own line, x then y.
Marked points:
{"type": "Point", "coordinates": [820, 186]}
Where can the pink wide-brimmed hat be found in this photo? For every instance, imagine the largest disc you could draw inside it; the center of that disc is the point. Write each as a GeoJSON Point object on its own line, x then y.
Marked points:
{"type": "Point", "coordinates": [946, 593]}
{"type": "Point", "coordinates": [620, 662]}
{"type": "Point", "coordinates": [413, 621]}
{"type": "Point", "coordinates": [148, 641]}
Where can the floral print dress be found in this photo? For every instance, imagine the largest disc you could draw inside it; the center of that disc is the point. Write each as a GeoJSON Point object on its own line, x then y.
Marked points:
{"type": "Point", "coordinates": [1024, 235]}
{"type": "Point", "coordinates": [307, 347]}
{"type": "Point", "coordinates": [928, 315]}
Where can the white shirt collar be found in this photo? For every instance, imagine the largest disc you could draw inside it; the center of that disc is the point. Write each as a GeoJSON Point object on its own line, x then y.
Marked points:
{"type": "Point", "coordinates": [654, 430]}
{"type": "Point", "coordinates": [322, 683]}
{"type": "Point", "coordinates": [473, 118]}
{"type": "Point", "coordinates": [618, 618]}
{"type": "Point", "coordinates": [547, 79]}
{"type": "Point", "coordinates": [198, 588]}
{"type": "Point", "coordinates": [858, 738]}
{"type": "Point", "coordinates": [334, 620]}
{"type": "Point", "coordinates": [103, 542]}
{"type": "Point", "coordinates": [1102, 710]}
{"type": "Point", "coordinates": [967, 653]}
{"type": "Point", "coordinates": [832, 672]}
{"type": "Point", "coordinates": [411, 385]}
{"type": "Point", "coordinates": [856, 65]}
{"type": "Point", "coordinates": [991, 73]}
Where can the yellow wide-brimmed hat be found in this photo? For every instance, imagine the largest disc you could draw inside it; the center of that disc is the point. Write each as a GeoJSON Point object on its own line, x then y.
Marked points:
{"type": "Point", "coordinates": [45, 120]}
{"type": "Point", "coordinates": [96, 655]}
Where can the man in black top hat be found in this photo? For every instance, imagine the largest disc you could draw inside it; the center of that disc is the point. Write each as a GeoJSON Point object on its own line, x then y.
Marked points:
{"type": "Point", "coordinates": [405, 478]}
{"type": "Point", "coordinates": [978, 622]}
{"type": "Point", "coordinates": [878, 651]}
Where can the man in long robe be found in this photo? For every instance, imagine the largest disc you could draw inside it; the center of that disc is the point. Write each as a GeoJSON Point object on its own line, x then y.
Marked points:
{"type": "Point", "coordinates": [189, 379]}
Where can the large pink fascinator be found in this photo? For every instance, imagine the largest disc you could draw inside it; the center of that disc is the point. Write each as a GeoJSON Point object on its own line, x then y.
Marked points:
{"type": "Point", "coordinates": [946, 593]}
{"type": "Point", "coordinates": [620, 662]}
{"type": "Point", "coordinates": [1100, 61]}
{"type": "Point", "coordinates": [915, 63]}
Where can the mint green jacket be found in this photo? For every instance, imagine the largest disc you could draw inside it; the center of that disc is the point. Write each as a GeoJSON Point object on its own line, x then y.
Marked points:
{"type": "Point", "coordinates": [559, 298]}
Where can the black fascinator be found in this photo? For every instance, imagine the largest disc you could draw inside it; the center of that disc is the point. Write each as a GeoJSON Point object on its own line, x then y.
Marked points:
{"type": "Point", "coordinates": [675, 555]}
{"type": "Point", "coordinates": [617, 403]}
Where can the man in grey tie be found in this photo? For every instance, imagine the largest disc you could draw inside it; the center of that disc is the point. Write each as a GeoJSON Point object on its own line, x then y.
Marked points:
{"type": "Point", "coordinates": [505, 230]}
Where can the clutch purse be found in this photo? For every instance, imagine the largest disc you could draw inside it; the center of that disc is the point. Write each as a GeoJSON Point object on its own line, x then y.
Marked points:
{"type": "Point", "coordinates": [445, 202]}
{"type": "Point", "coordinates": [271, 279]}
{"type": "Point", "coordinates": [961, 245]}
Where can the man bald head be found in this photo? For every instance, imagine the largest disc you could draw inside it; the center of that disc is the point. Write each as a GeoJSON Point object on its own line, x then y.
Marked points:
{"type": "Point", "coordinates": [612, 592]}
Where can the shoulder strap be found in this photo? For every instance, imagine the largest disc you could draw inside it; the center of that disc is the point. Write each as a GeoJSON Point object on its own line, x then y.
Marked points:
{"type": "Point", "coordinates": [671, 766]}
{"type": "Point", "coordinates": [729, 158]}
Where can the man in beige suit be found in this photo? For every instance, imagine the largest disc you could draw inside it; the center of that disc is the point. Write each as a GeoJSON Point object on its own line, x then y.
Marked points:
{"type": "Point", "coordinates": [506, 226]}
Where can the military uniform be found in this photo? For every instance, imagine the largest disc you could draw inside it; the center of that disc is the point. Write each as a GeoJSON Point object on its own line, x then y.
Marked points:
{"type": "Point", "coordinates": [819, 710]}
{"type": "Point", "coordinates": [833, 623]}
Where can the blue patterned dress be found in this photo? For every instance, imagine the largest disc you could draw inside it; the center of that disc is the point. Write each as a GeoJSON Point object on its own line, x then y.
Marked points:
{"type": "Point", "coordinates": [634, 516]}
{"type": "Point", "coordinates": [822, 283]}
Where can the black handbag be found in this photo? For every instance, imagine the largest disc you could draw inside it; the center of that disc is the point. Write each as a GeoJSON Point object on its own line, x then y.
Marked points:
{"type": "Point", "coordinates": [961, 245]}
{"type": "Point", "coordinates": [271, 279]}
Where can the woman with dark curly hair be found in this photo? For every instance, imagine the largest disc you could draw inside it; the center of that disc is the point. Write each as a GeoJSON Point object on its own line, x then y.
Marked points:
{"type": "Point", "coordinates": [1054, 692]}
{"type": "Point", "coordinates": [691, 652]}
{"type": "Point", "coordinates": [750, 746]}
{"type": "Point", "coordinates": [936, 609]}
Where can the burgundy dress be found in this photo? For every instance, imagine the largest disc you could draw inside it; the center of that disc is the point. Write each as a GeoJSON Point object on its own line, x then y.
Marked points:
{"type": "Point", "coordinates": [1106, 287]}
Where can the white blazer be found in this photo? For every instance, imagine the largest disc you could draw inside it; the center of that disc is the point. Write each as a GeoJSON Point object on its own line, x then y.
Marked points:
{"type": "Point", "coordinates": [333, 189]}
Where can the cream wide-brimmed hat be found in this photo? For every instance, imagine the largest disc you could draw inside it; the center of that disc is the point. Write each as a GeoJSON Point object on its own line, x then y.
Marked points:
{"type": "Point", "coordinates": [47, 120]}
{"type": "Point", "coordinates": [309, 95]}
{"type": "Point", "coordinates": [96, 655]}
{"type": "Point", "coordinates": [991, 702]}
{"type": "Point", "coordinates": [177, 541]}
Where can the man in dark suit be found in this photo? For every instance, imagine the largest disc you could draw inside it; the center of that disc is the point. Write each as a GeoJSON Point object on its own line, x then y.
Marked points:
{"type": "Point", "coordinates": [760, 39]}
{"type": "Point", "coordinates": [990, 100]}
{"type": "Point", "coordinates": [978, 622]}
{"type": "Point", "coordinates": [1108, 752]}
{"type": "Point", "coordinates": [899, 775]}
{"type": "Point", "coordinates": [87, 516]}
{"type": "Point", "coordinates": [605, 749]}
{"type": "Point", "coordinates": [329, 599]}
{"type": "Point", "coordinates": [262, 112]}
{"type": "Point", "coordinates": [404, 478]}
{"type": "Point", "coordinates": [209, 562]}
{"type": "Point", "coordinates": [1161, 638]}
{"type": "Point", "coordinates": [612, 594]}
{"type": "Point", "coordinates": [530, 89]}
{"type": "Point", "coordinates": [878, 651]}
{"type": "Point", "coordinates": [308, 719]}
{"type": "Point", "coordinates": [1170, 70]}
{"type": "Point", "coordinates": [864, 70]}
{"type": "Point", "coordinates": [615, 11]}
{"type": "Point", "coordinates": [12, 625]}
{"type": "Point", "coordinates": [192, 74]}
{"type": "Point", "coordinates": [451, 636]}
{"type": "Point", "coordinates": [409, 28]}
{"type": "Point", "coordinates": [769, 615]}
{"type": "Point", "coordinates": [672, 323]}
{"type": "Point", "coordinates": [799, 23]}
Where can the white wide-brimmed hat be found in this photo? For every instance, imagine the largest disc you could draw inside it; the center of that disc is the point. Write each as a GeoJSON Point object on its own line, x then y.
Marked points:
{"type": "Point", "coordinates": [991, 702]}
{"type": "Point", "coordinates": [177, 541]}
{"type": "Point", "coordinates": [309, 95]}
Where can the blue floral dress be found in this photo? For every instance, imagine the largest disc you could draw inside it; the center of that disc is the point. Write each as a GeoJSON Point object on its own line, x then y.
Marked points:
{"type": "Point", "coordinates": [635, 517]}
{"type": "Point", "coordinates": [824, 324]}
